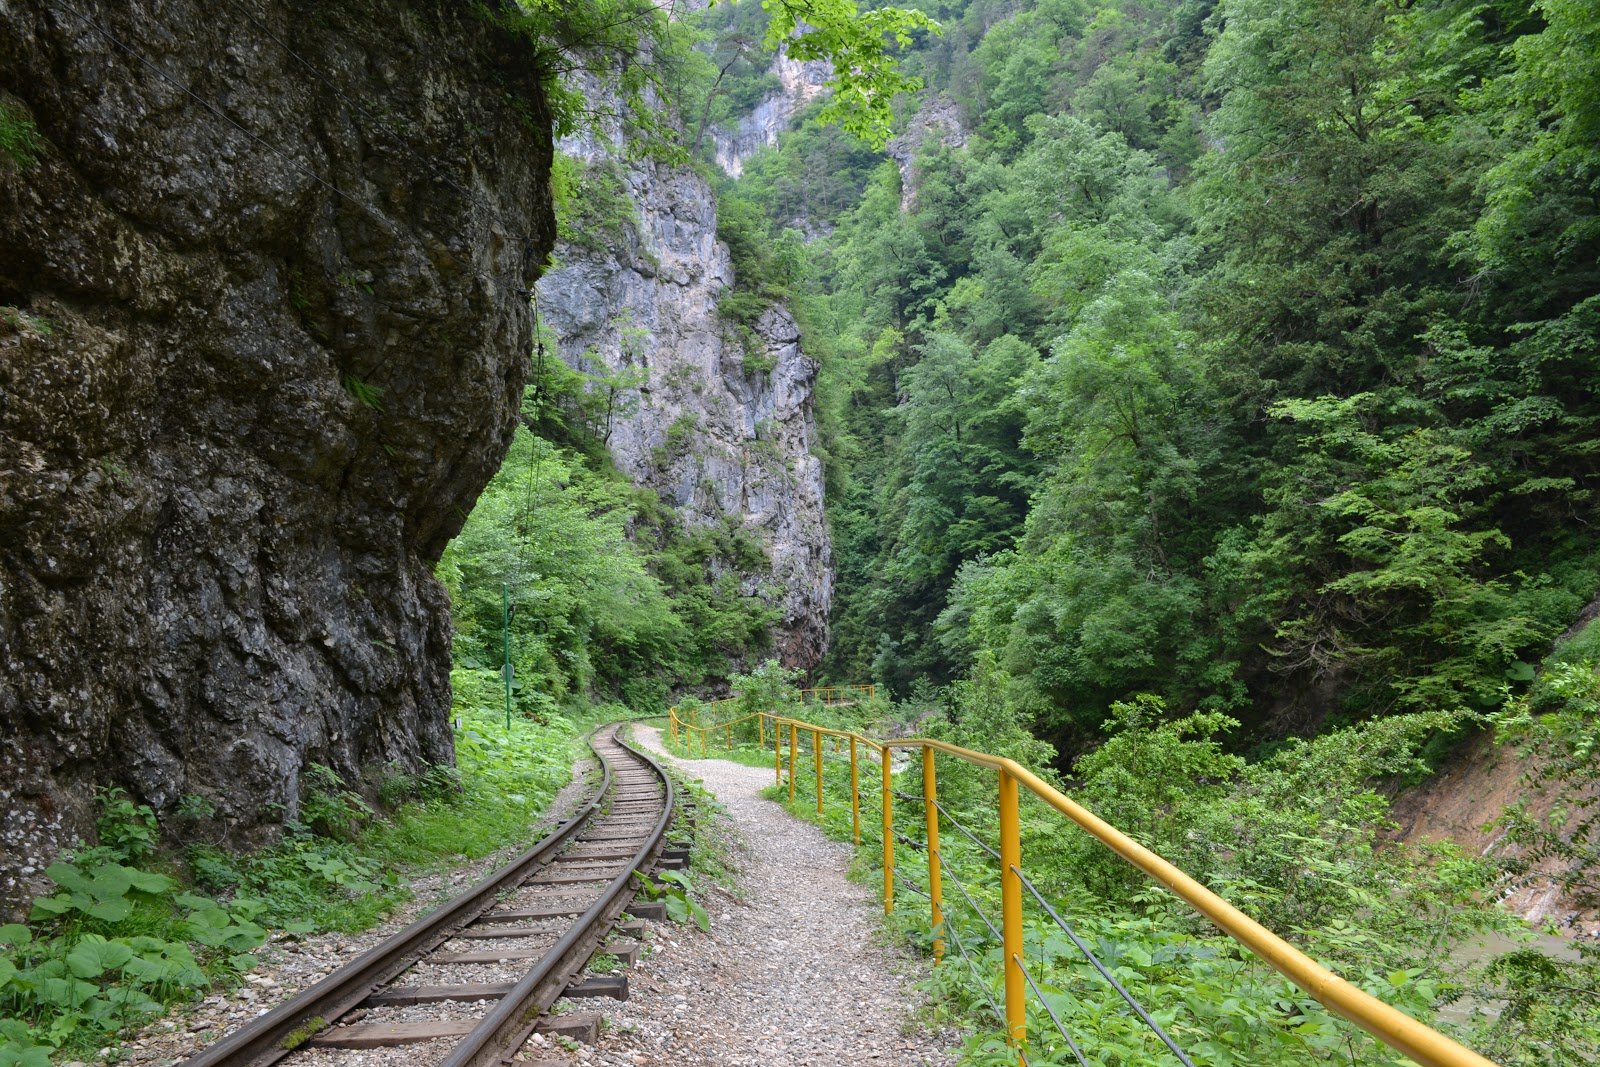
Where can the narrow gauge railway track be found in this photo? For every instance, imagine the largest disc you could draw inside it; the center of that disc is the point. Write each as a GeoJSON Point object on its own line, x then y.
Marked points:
{"type": "Point", "coordinates": [465, 985]}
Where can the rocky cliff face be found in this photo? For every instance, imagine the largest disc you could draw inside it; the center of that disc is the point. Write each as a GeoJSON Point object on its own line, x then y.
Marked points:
{"type": "Point", "coordinates": [799, 84]}
{"type": "Point", "coordinates": [262, 338]}
{"type": "Point", "coordinates": [720, 423]}
{"type": "Point", "coordinates": [936, 122]}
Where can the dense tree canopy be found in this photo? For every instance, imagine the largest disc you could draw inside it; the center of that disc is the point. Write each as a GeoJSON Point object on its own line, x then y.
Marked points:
{"type": "Point", "coordinates": [1243, 353]}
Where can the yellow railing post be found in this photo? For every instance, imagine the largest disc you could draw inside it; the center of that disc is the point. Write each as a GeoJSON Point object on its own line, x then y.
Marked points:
{"type": "Point", "coordinates": [777, 752]}
{"type": "Point", "coordinates": [816, 758]}
{"type": "Point", "coordinates": [794, 740]}
{"type": "Point", "coordinates": [1011, 909]}
{"type": "Point", "coordinates": [727, 738]}
{"type": "Point", "coordinates": [672, 723]}
{"type": "Point", "coordinates": [703, 750]}
{"type": "Point", "coordinates": [761, 725]}
{"type": "Point", "coordinates": [855, 794]}
{"type": "Point", "coordinates": [888, 830]}
{"type": "Point", "coordinates": [930, 798]}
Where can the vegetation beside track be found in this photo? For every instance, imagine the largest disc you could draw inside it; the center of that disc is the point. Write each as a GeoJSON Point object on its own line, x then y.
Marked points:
{"type": "Point", "coordinates": [1298, 839]}
{"type": "Point", "coordinates": [133, 930]}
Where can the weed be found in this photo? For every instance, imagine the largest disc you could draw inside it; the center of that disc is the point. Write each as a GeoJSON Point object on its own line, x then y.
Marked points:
{"type": "Point", "coordinates": [369, 396]}
{"type": "Point", "coordinates": [330, 807]}
{"type": "Point", "coordinates": [126, 828]}
{"type": "Point", "coordinates": [299, 1036]}
{"type": "Point", "coordinates": [675, 889]}
{"type": "Point", "coordinates": [113, 945]}
{"type": "Point", "coordinates": [20, 320]}
{"type": "Point", "coordinates": [20, 143]}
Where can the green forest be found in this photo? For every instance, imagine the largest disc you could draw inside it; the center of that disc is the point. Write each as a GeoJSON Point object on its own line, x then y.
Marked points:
{"type": "Point", "coordinates": [1243, 355]}
{"type": "Point", "coordinates": [1208, 399]}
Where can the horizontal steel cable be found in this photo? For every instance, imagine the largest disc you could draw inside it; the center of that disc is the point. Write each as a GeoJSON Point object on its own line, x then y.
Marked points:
{"type": "Point", "coordinates": [961, 886]}
{"type": "Point", "coordinates": [969, 834]}
{"type": "Point", "coordinates": [983, 987]}
{"type": "Point", "coordinates": [1073, 1045]}
{"type": "Point", "coordinates": [1107, 975]}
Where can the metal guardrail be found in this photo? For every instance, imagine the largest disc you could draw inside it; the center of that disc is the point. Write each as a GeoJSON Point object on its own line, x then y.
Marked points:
{"type": "Point", "coordinates": [828, 695]}
{"type": "Point", "coordinates": [1388, 1024]}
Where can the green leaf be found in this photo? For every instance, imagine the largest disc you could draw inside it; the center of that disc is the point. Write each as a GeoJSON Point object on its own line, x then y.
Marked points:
{"type": "Point", "coordinates": [67, 877]}
{"type": "Point", "coordinates": [67, 992]}
{"type": "Point", "coordinates": [93, 956]}
{"type": "Point", "coordinates": [30, 1056]}
{"type": "Point", "coordinates": [16, 935]}
{"type": "Point", "coordinates": [148, 881]}
{"type": "Point", "coordinates": [112, 911]}
{"type": "Point", "coordinates": [49, 907]}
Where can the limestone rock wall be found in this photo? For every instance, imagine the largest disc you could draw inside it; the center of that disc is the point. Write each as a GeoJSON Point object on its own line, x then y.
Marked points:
{"type": "Point", "coordinates": [720, 425]}
{"type": "Point", "coordinates": [799, 84]}
{"type": "Point", "coordinates": [263, 335]}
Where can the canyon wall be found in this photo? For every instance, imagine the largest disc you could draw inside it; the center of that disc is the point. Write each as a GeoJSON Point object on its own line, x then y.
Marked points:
{"type": "Point", "coordinates": [720, 421]}
{"type": "Point", "coordinates": [263, 335]}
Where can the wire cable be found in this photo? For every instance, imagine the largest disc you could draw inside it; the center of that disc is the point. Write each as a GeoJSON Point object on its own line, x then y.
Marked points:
{"type": "Point", "coordinates": [962, 888]}
{"type": "Point", "coordinates": [983, 986]}
{"type": "Point", "coordinates": [969, 834]}
{"type": "Point", "coordinates": [1107, 975]}
{"type": "Point", "coordinates": [1073, 1045]}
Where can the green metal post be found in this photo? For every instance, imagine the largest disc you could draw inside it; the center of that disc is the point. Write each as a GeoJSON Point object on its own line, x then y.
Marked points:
{"type": "Point", "coordinates": [505, 633]}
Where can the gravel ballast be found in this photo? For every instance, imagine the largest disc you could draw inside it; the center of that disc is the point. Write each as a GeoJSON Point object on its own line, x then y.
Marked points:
{"type": "Point", "coordinates": [790, 975]}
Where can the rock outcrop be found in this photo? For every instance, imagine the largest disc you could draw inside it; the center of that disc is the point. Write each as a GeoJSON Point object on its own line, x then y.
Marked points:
{"type": "Point", "coordinates": [799, 83]}
{"type": "Point", "coordinates": [937, 121]}
{"type": "Point", "coordinates": [263, 335]}
{"type": "Point", "coordinates": [721, 422]}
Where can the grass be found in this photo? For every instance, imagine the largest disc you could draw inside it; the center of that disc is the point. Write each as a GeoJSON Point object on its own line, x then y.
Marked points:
{"type": "Point", "coordinates": [126, 934]}
{"type": "Point", "coordinates": [20, 143]}
{"type": "Point", "coordinates": [743, 752]}
{"type": "Point", "coordinates": [350, 867]}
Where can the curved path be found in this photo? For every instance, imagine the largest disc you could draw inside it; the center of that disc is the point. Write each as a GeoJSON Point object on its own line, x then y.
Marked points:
{"type": "Point", "coordinates": [791, 975]}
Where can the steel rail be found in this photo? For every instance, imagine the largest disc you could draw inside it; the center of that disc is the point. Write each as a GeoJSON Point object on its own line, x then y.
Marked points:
{"type": "Point", "coordinates": [511, 1022]}
{"type": "Point", "coordinates": [262, 1041]}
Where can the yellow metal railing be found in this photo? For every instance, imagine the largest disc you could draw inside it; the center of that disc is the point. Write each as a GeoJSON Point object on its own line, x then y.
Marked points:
{"type": "Point", "coordinates": [1388, 1024]}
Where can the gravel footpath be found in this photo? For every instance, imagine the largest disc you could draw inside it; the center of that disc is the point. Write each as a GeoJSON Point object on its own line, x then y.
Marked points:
{"type": "Point", "coordinates": [790, 975]}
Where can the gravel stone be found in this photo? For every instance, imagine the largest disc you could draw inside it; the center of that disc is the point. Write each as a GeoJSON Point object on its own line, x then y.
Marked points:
{"type": "Point", "coordinates": [290, 964]}
{"type": "Point", "coordinates": [790, 974]}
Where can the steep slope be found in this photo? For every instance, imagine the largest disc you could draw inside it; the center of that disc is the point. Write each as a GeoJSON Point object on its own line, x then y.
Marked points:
{"type": "Point", "coordinates": [264, 340]}
{"type": "Point", "coordinates": [797, 84]}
